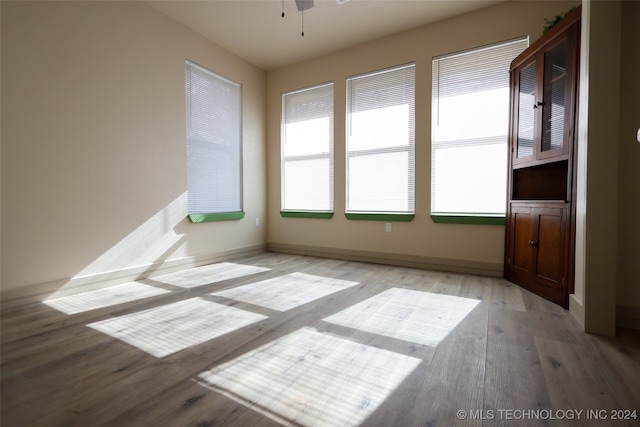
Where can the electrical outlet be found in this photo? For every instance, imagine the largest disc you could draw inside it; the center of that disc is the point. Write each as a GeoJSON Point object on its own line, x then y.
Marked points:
{"type": "Point", "coordinates": [257, 222]}
{"type": "Point", "coordinates": [387, 227]}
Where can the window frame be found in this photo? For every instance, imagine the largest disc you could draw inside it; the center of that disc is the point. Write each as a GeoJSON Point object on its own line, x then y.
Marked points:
{"type": "Point", "coordinates": [409, 148]}
{"type": "Point", "coordinates": [198, 215]}
{"type": "Point", "coordinates": [466, 217]}
{"type": "Point", "coordinates": [329, 155]}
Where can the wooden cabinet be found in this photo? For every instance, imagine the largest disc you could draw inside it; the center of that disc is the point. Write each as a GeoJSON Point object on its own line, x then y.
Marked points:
{"type": "Point", "coordinates": [540, 226]}
{"type": "Point", "coordinates": [537, 247]}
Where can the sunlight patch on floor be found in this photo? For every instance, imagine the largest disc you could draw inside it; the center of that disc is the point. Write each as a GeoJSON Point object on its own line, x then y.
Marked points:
{"type": "Point", "coordinates": [207, 274]}
{"type": "Point", "coordinates": [167, 329]}
{"type": "Point", "coordinates": [419, 317]}
{"type": "Point", "coordinates": [312, 379]}
{"type": "Point", "coordinates": [286, 292]}
{"type": "Point", "coordinates": [105, 297]}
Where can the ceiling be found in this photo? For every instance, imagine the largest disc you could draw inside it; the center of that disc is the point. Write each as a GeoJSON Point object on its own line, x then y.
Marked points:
{"type": "Point", "coordinates": [255, 30]}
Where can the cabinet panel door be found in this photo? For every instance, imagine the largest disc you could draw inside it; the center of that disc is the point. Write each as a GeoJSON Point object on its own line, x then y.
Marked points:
{"type": "Point", "coordinates": [537, 258]}
{"type": "Point", "coordinates": [550, 243]}
{"type": "Point", "coordinates": [521, 230]}
{"type": "Point", "coordinates": [526, 100]}
{"type": "Point", "coordinates": [556, 104]}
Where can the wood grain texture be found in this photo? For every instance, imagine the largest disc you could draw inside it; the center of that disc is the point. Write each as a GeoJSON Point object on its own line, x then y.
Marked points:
{"type": "Point", "coordinates": [512, 351]}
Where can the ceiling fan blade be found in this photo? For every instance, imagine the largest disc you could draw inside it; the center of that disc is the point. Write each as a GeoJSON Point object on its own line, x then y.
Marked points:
{"type": "Point", "coordinates": [304, 4]}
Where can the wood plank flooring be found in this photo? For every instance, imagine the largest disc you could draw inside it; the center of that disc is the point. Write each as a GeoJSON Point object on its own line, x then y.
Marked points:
{"type": "Point", "coordinates": [364, 354]}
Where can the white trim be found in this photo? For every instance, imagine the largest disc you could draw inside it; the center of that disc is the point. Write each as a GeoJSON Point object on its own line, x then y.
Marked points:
{"type": "Point", "coordinates": [402, 260]}
{"type": "Point", "coordinates": [576, 309]}
{"type": "Point", "coordinates": [24, 295]}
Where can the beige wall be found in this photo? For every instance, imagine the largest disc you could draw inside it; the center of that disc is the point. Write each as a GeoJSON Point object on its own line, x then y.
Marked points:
{"type": "Point", "coordinates": [479, 247]}
{"type": "Point", "coordinates": [628, 293]}
{"type": "Point", "coordinates": [607, 272]}
{"type": "Point", "coordinates": [601, 144]}
{"type": "Point", "coordinates": [577, 299]}
{"type": "Point", "coordinates": [93, 144]}
{"type": "Point", "coordinates": [93, 167]}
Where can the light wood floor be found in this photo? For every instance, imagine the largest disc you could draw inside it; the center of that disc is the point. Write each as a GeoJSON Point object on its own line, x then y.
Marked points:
{"type": "Point", "coordinates": [512, 354]}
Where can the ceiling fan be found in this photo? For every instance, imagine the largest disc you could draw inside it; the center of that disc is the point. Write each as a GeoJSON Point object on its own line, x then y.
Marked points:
{"type": "Point", "coordinates": [308, 4]}
{"type": "Point", "coordinates": [303, 5]}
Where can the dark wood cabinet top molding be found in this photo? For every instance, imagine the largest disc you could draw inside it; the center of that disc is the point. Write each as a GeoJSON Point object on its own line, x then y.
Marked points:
{"type": "Point", "coordinates": [557, 30]}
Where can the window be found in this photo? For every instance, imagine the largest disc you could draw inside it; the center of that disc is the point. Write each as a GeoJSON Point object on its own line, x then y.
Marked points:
{"type": "Point", "coordinates": [380, 144]}
{"type": "Point", "coordinates": [214, 145]}
{"type": "Point", "coordinates": [307, 152]}
{"type": "Point", "coordinates": [469, 124]}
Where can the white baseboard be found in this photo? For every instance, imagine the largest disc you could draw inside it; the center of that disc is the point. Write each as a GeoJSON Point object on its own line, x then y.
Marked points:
{"type": "Point", "coordinates": [39, 292]}
{"type": "Point", "coordinates": [627, 317]}
{"type": "Point", "coordinates": [402, 260]}
{"type": "Point", "coordinates": [576, 309]}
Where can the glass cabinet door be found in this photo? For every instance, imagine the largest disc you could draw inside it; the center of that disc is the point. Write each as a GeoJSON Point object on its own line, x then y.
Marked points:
{"type": "Point", "coordinates": [526, 110]}
{"type": "Point", "coordinates": [554, 98]}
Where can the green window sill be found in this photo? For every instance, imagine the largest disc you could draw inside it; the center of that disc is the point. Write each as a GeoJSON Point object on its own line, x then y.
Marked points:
{"type": "Point", "coordinates": [379, 217]}
{"type": "Point", "coordinates": [467, 219]}
{"type": "Point", "coordinates": [221, 216]}
{"type": "Point", "coordinates": [295, 214]}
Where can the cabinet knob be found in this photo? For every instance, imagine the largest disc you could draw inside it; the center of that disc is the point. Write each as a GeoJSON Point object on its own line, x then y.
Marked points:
{"type": "Point", "coordinates": [533, 243]}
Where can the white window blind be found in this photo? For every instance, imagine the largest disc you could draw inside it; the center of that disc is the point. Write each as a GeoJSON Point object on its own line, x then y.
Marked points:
{"type": "Point", "coordinates": [214, 143]}
{"type": "Point", "coordinates": [307, 149]}
{"type": "Point", "coordinates": [380, 141]}
{"type": "Point", "coordinates": [469, 123]}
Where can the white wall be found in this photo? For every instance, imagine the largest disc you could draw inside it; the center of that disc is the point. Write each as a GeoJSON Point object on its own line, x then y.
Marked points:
{"type": "Point", "coordinates": [93, 145]}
